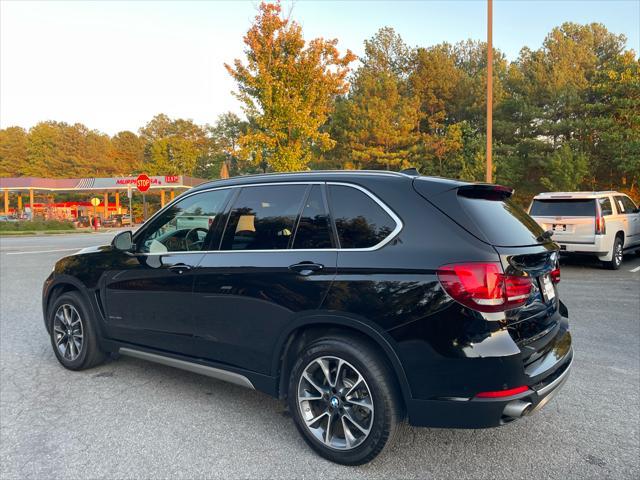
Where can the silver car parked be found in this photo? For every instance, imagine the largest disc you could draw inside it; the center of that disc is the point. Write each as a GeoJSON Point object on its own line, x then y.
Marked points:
{"type": "Point", "coordinates": [604, 224]}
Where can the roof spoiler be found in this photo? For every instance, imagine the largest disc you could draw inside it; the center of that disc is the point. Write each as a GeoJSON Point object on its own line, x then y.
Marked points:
{"type": "Point", "coordinates": [486, 191]}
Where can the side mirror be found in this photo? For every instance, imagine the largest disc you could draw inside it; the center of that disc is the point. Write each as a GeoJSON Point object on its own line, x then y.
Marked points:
{"type": "Point", "coordinates": [123, 241]}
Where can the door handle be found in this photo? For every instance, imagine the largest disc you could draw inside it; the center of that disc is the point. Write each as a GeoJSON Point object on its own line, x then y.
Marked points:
{"type": "Point", "coordinates": [306, 268]}
{"type": "Point", "coordinates": [180, 268]}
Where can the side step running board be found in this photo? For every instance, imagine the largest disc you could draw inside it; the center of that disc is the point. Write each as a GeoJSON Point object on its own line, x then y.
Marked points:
{"type": "Point", "coordinates": [212, 372]}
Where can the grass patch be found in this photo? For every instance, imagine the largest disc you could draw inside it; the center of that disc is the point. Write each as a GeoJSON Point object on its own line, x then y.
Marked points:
{"type": "Point", "coordinates": [48, 232]}
{"type": "Point", "coordinates": [36, 226]}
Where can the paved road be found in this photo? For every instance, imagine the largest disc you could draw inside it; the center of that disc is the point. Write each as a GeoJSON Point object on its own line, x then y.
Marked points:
{"type": "Point", "coordinates": [132, 419]}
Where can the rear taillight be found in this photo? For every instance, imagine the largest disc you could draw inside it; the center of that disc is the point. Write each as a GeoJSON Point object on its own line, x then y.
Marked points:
{"type": "Point", "coordinates": [601, 228]}
{"type": "Point", "coordinates": [484, 287]}
{"type": "Point", "coordinates": [555, 275]}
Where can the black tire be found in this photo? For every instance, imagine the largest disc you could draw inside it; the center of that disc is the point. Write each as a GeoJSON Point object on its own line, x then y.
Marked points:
{"type": "Point", "coordinates": [616, 255]}
{"type": "Point", "coordinates": [386, 404]}
{"type": "Point", "coordinates": [88, 355]}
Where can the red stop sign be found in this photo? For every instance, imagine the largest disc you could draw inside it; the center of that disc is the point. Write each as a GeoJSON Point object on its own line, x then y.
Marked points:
{"type": "Point", "coordinates": [143, 182]}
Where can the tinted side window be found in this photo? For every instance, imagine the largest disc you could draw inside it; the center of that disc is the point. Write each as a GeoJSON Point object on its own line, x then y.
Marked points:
{"type": "Point", "coordinates": [185, 225]}
{"type": "Point", "coordinates": [314, 229]}
{"type": "Point", "coordinates": [360, 221]}
{"type": "Point", "coordinates": [624, 205]}
{"type": "Point", "coordinates": [629, 206]}
{"type": "Point", "coordinates": [263, 217]}
{"type": "Point", "coordinates": [501, 221]}
{"type": "Point", "coordinates": [605, 206]}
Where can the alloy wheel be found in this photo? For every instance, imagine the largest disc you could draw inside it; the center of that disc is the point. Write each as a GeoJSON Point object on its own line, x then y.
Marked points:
{"type": "Point", "coordinates": [68, 332]}
{"type": "Point", "coordinates": [335, 403]}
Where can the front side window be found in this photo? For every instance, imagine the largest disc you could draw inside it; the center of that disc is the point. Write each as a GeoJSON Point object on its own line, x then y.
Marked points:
{"type": "Point", "coordinates": [360, 221]}
{"type": "Point", "coordinates": [605, 206]}
{"type": "Point", "coordinates": [263, 217]}
{"type": "Point", "coordinates": [185, 225]}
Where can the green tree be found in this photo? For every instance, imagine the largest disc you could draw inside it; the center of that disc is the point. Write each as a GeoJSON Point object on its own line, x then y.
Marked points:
{"type": "Point", "coordinates": [570, 92]}
{"type": "Point", "coordinates": [96, 154]}
{"type": "Point", "coordinates": [57, 149]}
{"type": "Point", "coordinates": [127, 153]}
{"type": "Point", "coordinates": [13, 151]}
{"type": "Point", "coordinates": [386, 52]}
{"type": "Point", "coordinates": [565, 170]}
{"type": "Point", "coordinates": [610, 131]}
{"type": "Point", "coordinates": [60, 150]}
{"type": "Point", "coordinates": [173, 147]}
{"type": "Point", "coordinates": [469, 101]}
{"type": "Point", "coordinates": [435, 80]}
{"type": "Point", "coordinates": [377, 123]}
{"type": "Point", "coordinates": [225, 139]}
{"type": "Point", "coordinates": [287, 88]}
{"type": "Point", "coordinates": [43, 150]}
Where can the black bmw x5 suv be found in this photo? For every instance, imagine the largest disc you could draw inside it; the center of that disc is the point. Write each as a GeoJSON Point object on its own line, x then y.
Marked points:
{"type": "Point", "coordinates": [362, 298]}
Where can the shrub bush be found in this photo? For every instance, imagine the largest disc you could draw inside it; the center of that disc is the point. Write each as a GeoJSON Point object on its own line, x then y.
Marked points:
{"type": "Point", "coordinates": [36, 226]}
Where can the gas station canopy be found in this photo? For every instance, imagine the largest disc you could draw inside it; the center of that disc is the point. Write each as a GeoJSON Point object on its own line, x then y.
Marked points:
{"type": "Point", "coordinates": [51, 186]}
{"type": "Point", "coordinates": [165, 182]}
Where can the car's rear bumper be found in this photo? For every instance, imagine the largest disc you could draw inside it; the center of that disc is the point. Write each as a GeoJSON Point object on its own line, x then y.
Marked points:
{"type": "Point", "coordinates": [581, 249]}
{"type": "Point", "coordinates": [488, 412]}
{"type": "Point", "coordinates": [601, 246]}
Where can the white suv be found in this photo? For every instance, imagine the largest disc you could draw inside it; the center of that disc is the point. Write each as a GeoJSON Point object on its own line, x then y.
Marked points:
{"type": "Point", "coordinates": [604, 224]}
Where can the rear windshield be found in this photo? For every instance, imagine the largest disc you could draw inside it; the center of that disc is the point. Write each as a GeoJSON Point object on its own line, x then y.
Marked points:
{"type": "Point", "coordinates": [563, 208]}
{"type": "Point", "coordinates": [501, 221]}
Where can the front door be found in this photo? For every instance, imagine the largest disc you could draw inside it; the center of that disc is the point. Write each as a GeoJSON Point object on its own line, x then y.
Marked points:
{"type": "Point", "coordinates": [148, 293]}
{"type": "Point", "coordinates": [277, 259]}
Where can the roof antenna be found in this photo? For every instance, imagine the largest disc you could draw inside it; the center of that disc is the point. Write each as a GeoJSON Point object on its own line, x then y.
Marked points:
{"type": "Point", "coordinates": [410, 171]}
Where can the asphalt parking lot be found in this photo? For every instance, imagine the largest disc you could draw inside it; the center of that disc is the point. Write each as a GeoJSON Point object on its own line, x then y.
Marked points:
{"type": "Point", "coordinates": [132, 419]}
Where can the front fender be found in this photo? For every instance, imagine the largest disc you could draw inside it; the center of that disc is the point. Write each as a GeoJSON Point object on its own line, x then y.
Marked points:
{"type": "Point", "coordinates": [61, 282]}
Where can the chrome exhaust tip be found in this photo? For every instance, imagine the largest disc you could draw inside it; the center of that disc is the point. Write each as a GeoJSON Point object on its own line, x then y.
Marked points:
{"type": "Point", "coordinates": [517, 409]}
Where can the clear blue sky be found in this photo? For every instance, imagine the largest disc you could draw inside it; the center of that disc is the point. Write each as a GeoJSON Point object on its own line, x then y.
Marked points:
{"type": "Point", "coordinates": [113, 65]}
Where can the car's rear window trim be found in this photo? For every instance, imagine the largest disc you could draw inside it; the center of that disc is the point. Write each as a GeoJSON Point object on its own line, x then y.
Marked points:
{"type": "Point", "coordinates": [396, 219]}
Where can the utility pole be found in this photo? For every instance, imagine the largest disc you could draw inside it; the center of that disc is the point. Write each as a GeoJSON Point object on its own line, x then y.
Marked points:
{"type": "Point", "coordinates": [489, 90]}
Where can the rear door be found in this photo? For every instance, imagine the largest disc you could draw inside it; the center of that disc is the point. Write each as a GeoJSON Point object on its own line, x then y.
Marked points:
{"type": "Point", "coordinates": [630, 218]}
{"type": "Point", "coordinates": [571, 220]}
{"type": "Point", "coordinates": [277, 259]}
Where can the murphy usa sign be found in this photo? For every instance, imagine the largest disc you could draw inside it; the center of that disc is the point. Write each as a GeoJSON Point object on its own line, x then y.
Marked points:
{"type": "Point", "coordinates": [141, 182]}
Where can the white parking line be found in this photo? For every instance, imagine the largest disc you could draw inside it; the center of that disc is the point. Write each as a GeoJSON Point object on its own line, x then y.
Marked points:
{"type": "Point", "coordinates": [46, 251]}
{"type": "Point", "coordinates": [634, 270]}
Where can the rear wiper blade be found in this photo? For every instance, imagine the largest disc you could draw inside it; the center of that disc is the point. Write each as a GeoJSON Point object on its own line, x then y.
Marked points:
{"type": "Point", "coordinates": [544, 236]}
